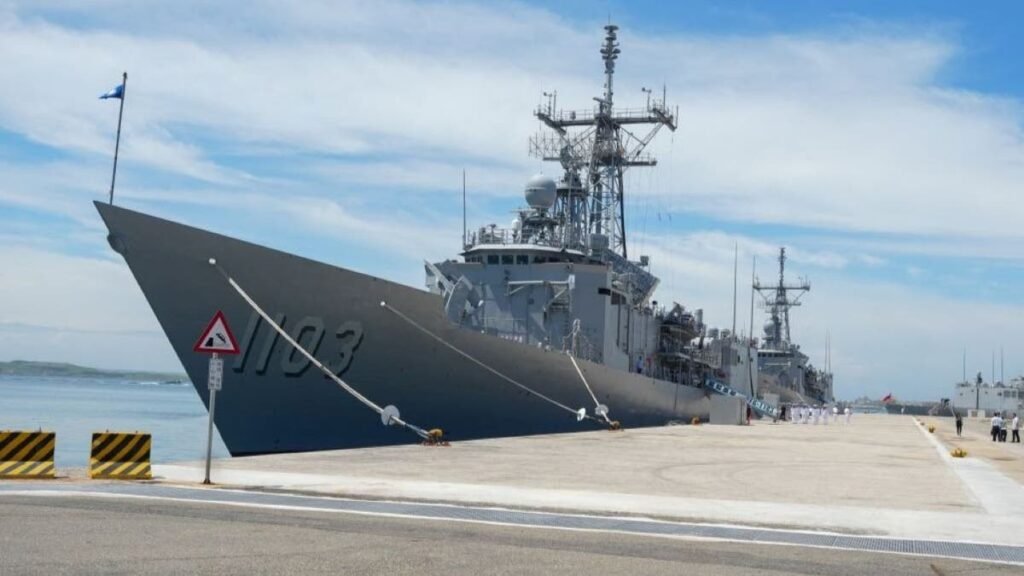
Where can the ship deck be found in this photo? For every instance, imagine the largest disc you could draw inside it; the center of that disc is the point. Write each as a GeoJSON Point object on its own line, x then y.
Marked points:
{"type": "Point", "coordinates": [881, 475]}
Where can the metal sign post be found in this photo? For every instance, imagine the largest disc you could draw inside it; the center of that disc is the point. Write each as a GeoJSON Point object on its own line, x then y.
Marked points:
{"type": "Point", "coordinates": [214, 383]}
{"type": "Point", "coordinates": [217, 339]}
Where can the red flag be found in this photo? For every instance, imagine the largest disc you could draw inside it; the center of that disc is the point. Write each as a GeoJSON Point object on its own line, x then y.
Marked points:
{"type": "Point", "coordinates": [887, 397]}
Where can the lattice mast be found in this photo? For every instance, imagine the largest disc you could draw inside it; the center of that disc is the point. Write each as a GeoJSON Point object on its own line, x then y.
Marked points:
{"type": "Point", "coordinates": [779, 299]}
{"type": "Point", "coordinates": [595, 148]}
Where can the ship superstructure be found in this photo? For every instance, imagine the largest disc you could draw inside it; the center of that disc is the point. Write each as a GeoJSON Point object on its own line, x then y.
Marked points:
{"type": "Point", "coordinates": [784, 369]}
{"type": "Point", "coordinates": [560, 278]}
{"type": "Point", "coordinates": [986, 398]}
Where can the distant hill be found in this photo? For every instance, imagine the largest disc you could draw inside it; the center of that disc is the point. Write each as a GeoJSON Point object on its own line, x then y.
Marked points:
{"type": "Point", "coordinates": [29, 368]}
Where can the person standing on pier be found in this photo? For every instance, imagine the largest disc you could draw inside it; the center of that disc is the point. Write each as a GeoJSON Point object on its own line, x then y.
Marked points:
{"type": "Point", "coordinates": [997, 422]}
{"type": "Point", "coordinates": [1015, 426]}
{"type": "Point", "coordinates": [959, 424]}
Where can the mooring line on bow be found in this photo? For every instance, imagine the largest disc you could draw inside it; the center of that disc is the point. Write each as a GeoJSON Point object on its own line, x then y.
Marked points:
{"type": "Point", "coordinates": [580, 413]}
{"type": "Point", "coordinates": [599, 409]}
{"type": "Point", "coordinates": [388, 414]}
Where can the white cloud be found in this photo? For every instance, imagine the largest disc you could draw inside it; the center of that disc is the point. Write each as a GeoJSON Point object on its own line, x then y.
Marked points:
{"type": "Point", "coordinates": [80, 309]}
{"type": "Point", "coordinates": [53, 290]}
{"type": "Point", "coordinates": [848, 131]}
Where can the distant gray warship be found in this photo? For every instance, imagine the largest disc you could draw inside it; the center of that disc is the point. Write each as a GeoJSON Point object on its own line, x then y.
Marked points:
{"type": "Point", "coordinates": [544, 327]}
{"type": "Point", "coordinates": [785, 370]}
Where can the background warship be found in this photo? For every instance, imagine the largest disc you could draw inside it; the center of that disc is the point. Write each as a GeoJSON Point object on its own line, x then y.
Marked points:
{"type": "Point", "coordinates": [783, 368]}
{"type": "Point", "coordinates": [547, 326]}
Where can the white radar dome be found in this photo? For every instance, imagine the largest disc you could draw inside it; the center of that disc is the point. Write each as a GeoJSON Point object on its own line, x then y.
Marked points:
{"type": "Point", "coordinates": [540, 192]}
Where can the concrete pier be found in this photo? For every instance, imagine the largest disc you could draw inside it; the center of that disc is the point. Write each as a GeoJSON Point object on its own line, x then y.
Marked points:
{"type": "Point", "coordinates": [880, 475]}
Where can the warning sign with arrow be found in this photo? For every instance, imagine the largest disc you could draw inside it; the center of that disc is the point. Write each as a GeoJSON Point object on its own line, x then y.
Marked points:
{"type": "Point", "coordinates": [217, 337]}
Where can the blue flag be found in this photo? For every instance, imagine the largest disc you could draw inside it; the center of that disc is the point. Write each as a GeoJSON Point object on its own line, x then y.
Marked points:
{"type": "Point", "coordinates": [117, 92]}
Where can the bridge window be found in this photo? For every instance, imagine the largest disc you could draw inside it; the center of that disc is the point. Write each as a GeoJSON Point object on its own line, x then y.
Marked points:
{"type": "Point", "coordinates": [522, 259]}
{"type": "Point", "coordinates": [492, 258]}
{"type": "Point", "coordinates": [506, 259]}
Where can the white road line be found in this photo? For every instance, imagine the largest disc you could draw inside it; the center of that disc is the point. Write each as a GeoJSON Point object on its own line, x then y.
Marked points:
{"type": "Point", "coordinates": [997, 493]}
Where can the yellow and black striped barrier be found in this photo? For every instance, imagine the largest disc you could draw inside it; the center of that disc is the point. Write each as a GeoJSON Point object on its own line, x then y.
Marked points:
{"type": "Point", "coordinates": [120, 456]}
{"type": "Point", "coordinates": [27, 454]}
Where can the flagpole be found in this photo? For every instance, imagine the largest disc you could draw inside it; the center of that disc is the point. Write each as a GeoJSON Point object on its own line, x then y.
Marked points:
{"type": "Point", "coordinates": [117, 144]}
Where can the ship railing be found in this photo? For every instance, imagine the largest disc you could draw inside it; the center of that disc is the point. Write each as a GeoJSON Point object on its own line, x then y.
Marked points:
{"type": "Point", "coordinates": [711, 358]}
{"type": "Point", "coordinates": [582, 117]}
{"type": "Point", "coordinates": [507, 236]}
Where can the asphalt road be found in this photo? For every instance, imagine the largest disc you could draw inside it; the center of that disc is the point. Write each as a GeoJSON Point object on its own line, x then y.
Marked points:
{"type": "Point", "coordinates": [89, 535]}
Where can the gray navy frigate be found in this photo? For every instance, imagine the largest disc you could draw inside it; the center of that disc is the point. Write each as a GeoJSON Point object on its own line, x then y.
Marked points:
{"type": "Point", "coordinates": [544, 327]}
{"type": "Point", "coordinates": [783, 368]}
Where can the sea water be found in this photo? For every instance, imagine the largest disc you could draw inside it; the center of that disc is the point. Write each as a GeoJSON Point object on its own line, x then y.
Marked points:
{"type": "Point", "coordinates": [74, 408]}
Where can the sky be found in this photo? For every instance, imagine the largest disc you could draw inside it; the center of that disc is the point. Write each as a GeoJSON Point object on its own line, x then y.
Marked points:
{"type": "Point", "coordinates": [880, 142]}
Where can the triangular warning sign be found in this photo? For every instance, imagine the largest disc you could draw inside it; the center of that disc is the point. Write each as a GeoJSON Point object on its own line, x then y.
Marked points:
{"type": "Point", "coordinates": [217, 337]}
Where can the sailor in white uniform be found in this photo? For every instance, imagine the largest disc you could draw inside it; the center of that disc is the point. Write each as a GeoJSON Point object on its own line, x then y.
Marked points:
{"type": "Point", "coordinates": [848, 413]}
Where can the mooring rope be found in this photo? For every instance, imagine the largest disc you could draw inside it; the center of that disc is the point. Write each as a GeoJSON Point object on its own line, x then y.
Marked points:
{"type": "Point", "coordinates": [599, 408]}
{"type": "Point", "coordinates": [580, 414]}
{"type": "Point", "coordinates": [392, 417]}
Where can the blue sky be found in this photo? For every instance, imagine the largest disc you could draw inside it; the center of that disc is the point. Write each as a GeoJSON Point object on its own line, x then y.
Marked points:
{"type": "Point", "coordinates": [881, 142]}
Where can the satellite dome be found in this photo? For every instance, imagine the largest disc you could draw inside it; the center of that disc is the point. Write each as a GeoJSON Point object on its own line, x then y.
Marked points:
{"type": "Point", "coordinates": [540, 192]}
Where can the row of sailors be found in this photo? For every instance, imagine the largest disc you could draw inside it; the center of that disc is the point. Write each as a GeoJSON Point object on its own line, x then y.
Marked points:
{"type": "Point", "coordinates": [818, 414]}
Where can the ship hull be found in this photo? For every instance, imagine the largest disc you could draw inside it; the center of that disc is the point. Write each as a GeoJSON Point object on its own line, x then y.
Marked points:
{"type": "Point", "coordinates": [274, 401]}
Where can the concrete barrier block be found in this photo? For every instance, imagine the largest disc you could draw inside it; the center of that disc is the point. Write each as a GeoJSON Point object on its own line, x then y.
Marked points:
{"type": "Point", "coordinates": [120, 456]}
{"type": "Point", "coordinates": [27, 454]}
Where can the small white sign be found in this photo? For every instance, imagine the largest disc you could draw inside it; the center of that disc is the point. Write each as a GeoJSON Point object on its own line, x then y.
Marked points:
{"type": "Point", "coordinates": [215, 380]}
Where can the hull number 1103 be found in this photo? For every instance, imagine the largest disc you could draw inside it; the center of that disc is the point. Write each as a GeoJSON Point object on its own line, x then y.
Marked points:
{"type": "Point", "coordinates": [259, 343]}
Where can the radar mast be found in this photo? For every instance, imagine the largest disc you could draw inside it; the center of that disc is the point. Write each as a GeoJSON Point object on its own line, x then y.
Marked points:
{"type": "Point", "coordinates": [779, 299]}
{"type": "Point", "coordinates": [595, 148]}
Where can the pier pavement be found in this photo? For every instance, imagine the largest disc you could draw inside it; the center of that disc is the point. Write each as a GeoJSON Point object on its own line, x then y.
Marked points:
{"type": "Point", "coordinates": [880, 475]}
